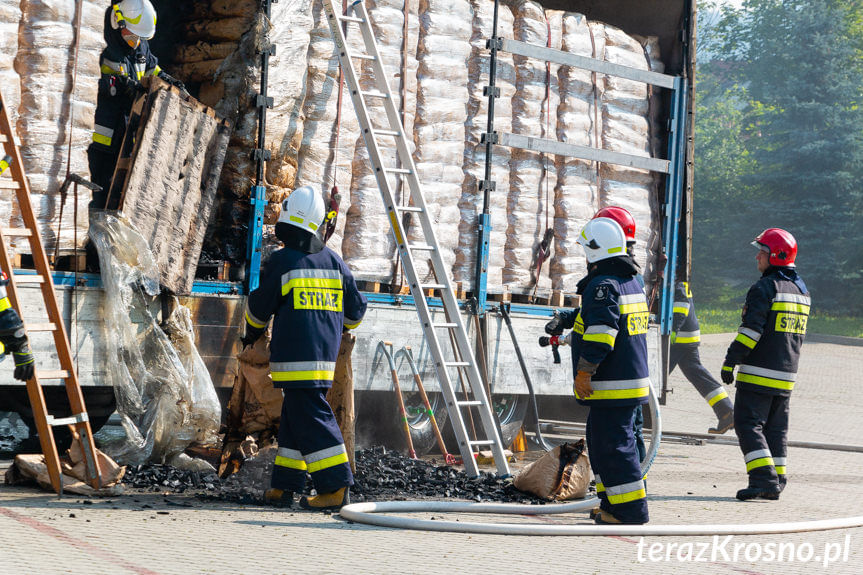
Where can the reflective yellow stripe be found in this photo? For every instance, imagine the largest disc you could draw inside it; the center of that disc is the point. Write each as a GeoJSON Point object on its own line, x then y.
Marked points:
{"type": "Point", "coordinates": [156, 71]}
{"type": "Point", "coordinates": [605, 338]}
{"type": "Point", "coordinates": [746, 340]}
{"type": "Point", "coordinates": [695, 339]}
{"type": "Point", "coordinates": [302, 375]}
{"type": "Point", "coordinates": [760, 462]}
{"type": "Point", "coordinates": [4, 304]}
{"type": "Point", "coordinates": [627, 497]}
{"type": "Point", "coordinates": [780, 469]}
{"type": "Point", "coordinates": [617, 393]}
{"type": "Point", "coordinates": [109, 70]}
{"type": "Point", "coordinates": [683, 310]}
{"type": "Point", "coordinates": [252, 322]}
{"type": "Point", "coordinates": [290, 463]}
{"type": "Point", "coordinates": [100, 139]}
{"type": "Point", "coordinates": [633, 307]}
{"type": "Point", "coordinates": [790, 306]}
{"type": "Point", "coordinates": [727, 368]}
{"type": "Point", "coordinates": [353, 325]}
{"type": "Point", "coordinates": [717, 398]}
{"type": "Point", "coordinates": [328, 462]}
{"type": "Point", "coordinates": [599, 487]}
{"type": "Point", "coordinates": [331, 283]}
{"type": "Point", "coordinates": [765, 381]}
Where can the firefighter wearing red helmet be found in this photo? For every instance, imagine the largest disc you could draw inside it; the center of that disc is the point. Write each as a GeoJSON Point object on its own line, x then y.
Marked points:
{"type": "Point", "coordinates": [766, 352]}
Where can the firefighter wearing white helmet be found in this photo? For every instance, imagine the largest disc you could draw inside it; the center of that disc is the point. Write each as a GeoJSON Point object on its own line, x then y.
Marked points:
{"type": "Point", "coordinates": [125, 61]}
{"type": "Point", "coordinates": [609, 354]}
{"type": "Point", "coordinates": [313, 296]}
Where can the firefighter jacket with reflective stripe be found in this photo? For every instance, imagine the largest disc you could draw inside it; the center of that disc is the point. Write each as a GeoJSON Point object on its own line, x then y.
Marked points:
{"type": "Point", "coordinates": [611, 331]}
{"type": "Point", "coordinates": [313, 297]}
{"type": "Point", "coordinates": [118, 62]}
{"type": "Point", "coordinates": [685, 323]}
{"type": "Point", "coordinates": [768, 342]}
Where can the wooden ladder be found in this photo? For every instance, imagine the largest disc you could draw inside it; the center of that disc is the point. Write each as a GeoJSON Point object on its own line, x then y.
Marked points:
{"type": "Point", "coordinates": [79, 421]}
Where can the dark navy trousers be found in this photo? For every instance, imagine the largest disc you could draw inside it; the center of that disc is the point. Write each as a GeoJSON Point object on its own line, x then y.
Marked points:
{"type": "Point", "coordinates": [761, 423]}
{"type": "Point", "coordinates": [310, 442]}
{"type": "Point", "coordinates": [615, 462]}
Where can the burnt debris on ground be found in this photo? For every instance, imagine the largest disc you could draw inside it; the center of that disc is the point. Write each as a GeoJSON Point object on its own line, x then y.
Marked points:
{"type": "Point", "coordinates": [381, 475]}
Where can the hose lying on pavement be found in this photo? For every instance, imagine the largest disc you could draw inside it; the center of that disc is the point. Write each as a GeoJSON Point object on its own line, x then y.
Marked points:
{"type": "Point", "coordinates": [368, 513]}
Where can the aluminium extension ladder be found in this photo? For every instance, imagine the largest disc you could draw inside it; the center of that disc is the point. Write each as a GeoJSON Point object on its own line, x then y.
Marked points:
{"type": "Point", "coordinates": [79, 421]}
{"type": "Point", "coordinates": [453, 329]}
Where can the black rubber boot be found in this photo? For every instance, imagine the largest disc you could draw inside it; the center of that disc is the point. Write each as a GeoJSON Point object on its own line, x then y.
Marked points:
{"type": "Point", "coordinates": [327, 501]}
{"type": "Point", "coordinates": [771, 493]}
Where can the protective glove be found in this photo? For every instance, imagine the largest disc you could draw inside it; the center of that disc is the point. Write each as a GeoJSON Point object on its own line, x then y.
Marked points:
{"type": "Point", "coordinates": [555, 326]}
{"type": "Point", "coordinates": [174, 82]}
{"type": "Point", "coordinates": [24, 363]}
{"type": "Point", "coordinates": [127, 86]}
{"type": "Point", "coordinates": [727, 373]}
{"type": "Point", "coordinates": [582, 388]}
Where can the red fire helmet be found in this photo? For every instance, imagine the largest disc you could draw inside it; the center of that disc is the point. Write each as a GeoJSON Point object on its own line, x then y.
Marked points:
{"type": "Point", "coordinates": [780, 244]}
{"type": "Point", "coordinates": [622, 217]}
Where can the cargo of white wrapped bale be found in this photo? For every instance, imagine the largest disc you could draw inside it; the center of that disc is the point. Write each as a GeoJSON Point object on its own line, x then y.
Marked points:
{"type": "Point", "coordinates": [576, 196]}
{"type": "Point", "coordinates": [328, 141]}
{"type": "Point", "coordinates": [476, 124]}
{"type": "Point", "coordinates": [44, 61]}
{"type": "Point", "coordinates": [625, 128]}
{"type": "Point", "coordinates": [532, 174]}
{"type": "Point", "coordinates": [439, 125]}
{"type": "Point", "coordinates": [368, 246]}
{"type": "Point", "coordinates": [290, 33]}
{"type": "Point", "coordinates": [10, 16]}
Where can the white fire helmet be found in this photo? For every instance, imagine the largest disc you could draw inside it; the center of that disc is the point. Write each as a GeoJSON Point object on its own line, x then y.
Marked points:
{"type": "Point", "coordinates": [602, 238]}
{"type": "Point", "coordinates": [304, 208]}
{"type": "Point", "coordinates": [136, 16]}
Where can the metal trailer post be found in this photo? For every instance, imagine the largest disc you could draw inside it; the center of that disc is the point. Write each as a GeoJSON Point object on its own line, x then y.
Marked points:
{"type": "Point", "coordinates": [487, 185]}
{"type": "Point", "coordinates": [672, 209]}
{"type": "Point", "coordinates": [261, 155]}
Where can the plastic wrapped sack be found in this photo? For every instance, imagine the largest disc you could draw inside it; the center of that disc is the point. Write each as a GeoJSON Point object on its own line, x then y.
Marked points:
{"type": "Point", "coordinates": [164, 393]}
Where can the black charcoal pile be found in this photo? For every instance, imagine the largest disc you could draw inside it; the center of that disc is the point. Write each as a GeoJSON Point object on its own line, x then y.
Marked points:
{"type": "Point", "coordinates": [381, 475]}
{"type": "Point", "coordinates": [387, 475]}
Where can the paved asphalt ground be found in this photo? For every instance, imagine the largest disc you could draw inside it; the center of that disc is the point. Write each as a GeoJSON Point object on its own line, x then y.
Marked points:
{"type": "Point", "coordinates": [688, 484]}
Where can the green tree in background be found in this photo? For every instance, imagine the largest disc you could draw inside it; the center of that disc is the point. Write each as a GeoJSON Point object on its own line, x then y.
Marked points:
{"type": "Point", "coordinates": [779, 143]}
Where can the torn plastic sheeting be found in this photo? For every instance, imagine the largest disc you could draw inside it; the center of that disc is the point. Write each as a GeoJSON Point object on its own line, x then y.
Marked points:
{"type": "Point", "coordinates": [165, 396]}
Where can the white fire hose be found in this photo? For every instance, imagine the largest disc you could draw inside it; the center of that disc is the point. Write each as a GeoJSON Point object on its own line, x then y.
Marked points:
{"type": "Point", "coordinates": [370, 513]}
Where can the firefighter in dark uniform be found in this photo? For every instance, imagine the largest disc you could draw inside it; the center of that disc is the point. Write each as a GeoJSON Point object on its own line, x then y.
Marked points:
{"type": "Point", "coordinates": [765, 353]}
{"type": "Point", "coordinates": [13, 338]}
{"type": "Point", "coordinates": [610, 362]}
{"type": "Point", "coordinates": [685, 339]}
{"type": "Point", "coordinates": [565, 319]}
{"type": "Point", "coordinates": [126, 59]}
{"type": "Point", "coordinates": [313, 296]}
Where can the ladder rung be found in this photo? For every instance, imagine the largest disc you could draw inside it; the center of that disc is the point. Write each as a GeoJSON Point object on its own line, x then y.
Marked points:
{"type": "Point", "coordinates": [445, 325]}
{"type": "Point", "coordinates": [397, 170]}
{"type": "Point", "coordinates": [58, 421]}
{"type": "Point", "coordinates": [432, 286]}
{"type": "Point", "coordinates": [421, 247]}
{"type": "Point", "coordinates": [4, 139]}
{"type": "Point", "coordinates": [29, 279]}
{"type": "Point", "coordinates": [409, 209]}
{"type": "Point", "coordinates": [467, 403]}
{"type": "Point", "coordinates": [481, 442]}
{"type": "Point", "coordinates": [40, 326]}
{"type": "Point", "coordinates": [374, 94]}
{"type": "Point", "coordinates": [17, 232]}
{"type": "Point", "coordinates": [7, 184]}
{"type": "Point", "coordinates": [362, 56]}
{"type": "Point", "coordinates": [350, 19]}
{"type": "Point", "coordinates": [52, 374]}
{"type": "Point", "coordinates": [386, 133]}
{"type": "Point", "coordinates": [456, 363]}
